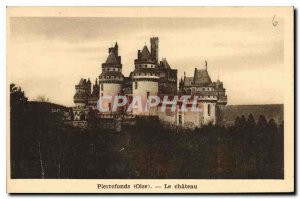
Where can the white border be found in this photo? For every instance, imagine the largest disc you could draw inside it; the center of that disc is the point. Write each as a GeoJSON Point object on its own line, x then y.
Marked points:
{"type": "Point", "coordinates": [5, 3]}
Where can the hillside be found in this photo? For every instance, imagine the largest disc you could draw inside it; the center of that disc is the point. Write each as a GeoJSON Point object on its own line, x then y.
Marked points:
{"type": "Point", "coordinates": [46, 105]}
{"type": "Point", "coordinates": [274, 111]}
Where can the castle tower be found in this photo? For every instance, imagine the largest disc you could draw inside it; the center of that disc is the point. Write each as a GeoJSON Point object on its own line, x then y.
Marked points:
{"type": "Point", "coordinates": [145, 79]}
{"type": "Point", "coordinates": [154, 48]}
{"type": "Point", "coordinates": [221, 103]}
{"type": "Point", "coordinates": [89, 86]}
{"type": "Point", "coordinates": [111, 78]}
{"type": "Point", "coordinates": [83, 91]}
{"type": "Point", "coordinates": [95, 92]}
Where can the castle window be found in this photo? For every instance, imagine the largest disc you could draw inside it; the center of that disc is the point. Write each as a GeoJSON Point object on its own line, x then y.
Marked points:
{"type": "Point", "coordinates": [101, 87]}
{"type": "Point", "coordinates": [145, 65]}
{"type": "Point", "coordinates": [135, 85]}
{"type": "Point", "coordinates": [208, 109]}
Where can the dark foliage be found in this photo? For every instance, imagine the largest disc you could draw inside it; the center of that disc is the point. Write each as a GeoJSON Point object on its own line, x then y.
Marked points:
{"type": "Point", "coordinates": [43, 147]}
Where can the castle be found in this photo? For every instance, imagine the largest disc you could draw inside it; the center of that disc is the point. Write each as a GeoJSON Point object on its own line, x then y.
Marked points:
{"type": "Point", "coordinates": [150, 77]}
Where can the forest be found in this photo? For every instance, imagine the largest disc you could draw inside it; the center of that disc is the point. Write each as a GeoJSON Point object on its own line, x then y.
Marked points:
{"type": "Point", "coordinates": [43, 147]}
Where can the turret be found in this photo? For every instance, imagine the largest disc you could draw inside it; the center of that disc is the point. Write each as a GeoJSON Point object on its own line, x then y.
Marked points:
{"type": "Point", "coordinates": [145, 79]}
{"type": "Point", "coordinates": [111, 78]}
{"type": "Point", "coordinates": [82, 93]}
{"type": "Point", "coordinates": [95, 92]}
{"type": "Point", "coordinates": [116, 49]}
{"type": "Point", "coordinates": [154, 48]}
{"type": "Point", "coordinates": [89, 85]}
{"type": "Point", "coordinates": [181, 84]}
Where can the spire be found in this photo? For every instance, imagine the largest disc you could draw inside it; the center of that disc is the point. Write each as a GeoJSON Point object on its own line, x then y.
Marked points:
{"type": "Point", "coordinates": [81, 82]}
{"type": "Point", "coordinates": [205, 65]}
{"type": "Point", "coordinates": [116, 49]}
{"type": "Point", "coordinates": [145, 54]}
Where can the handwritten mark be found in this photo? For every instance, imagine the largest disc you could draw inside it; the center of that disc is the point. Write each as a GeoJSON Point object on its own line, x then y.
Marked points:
{"type": "Point", "coordinates": [274, 21]}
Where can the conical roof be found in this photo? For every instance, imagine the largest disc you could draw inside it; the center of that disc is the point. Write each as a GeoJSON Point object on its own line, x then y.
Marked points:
{"type": "Point", "coordinates": [145, 55]}
{"type": "Point", "coordinates": [201, 77]}
{"type": "Point", "coordinates": [165, 63]}
{"type": "Point", "coordinates": [111, 59]}
{"type": "Point", "coordinates": [81, 82]}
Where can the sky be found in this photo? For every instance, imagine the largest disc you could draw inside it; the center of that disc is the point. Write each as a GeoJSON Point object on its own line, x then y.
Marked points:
{"type": "Point", "coordinates": [47, 56]}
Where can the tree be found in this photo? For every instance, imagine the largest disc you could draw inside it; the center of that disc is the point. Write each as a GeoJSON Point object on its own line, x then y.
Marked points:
{"type": "Point", "coordinates": [250, 122]}
{"type": "Point", "coordinates": [17, 96]}
{"type": "Point", "coordinates": [262, 122]}
{"type": "Point", "coordinates": [272, 124]}
{"type": "Point", "coordinates": [243, 121]}
{"type": "Point", "coordinates": [42, 98]}
{"type": "Point", "coordinates": [237, 122]}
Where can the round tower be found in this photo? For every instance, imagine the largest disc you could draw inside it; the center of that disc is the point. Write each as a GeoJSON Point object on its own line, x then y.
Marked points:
{"type": "Point", "coordinates": [145, 80]}
{"type": "Point", "coordinates": [110, 80]}
{"type": "Point", "coordinates": [82, 93]}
